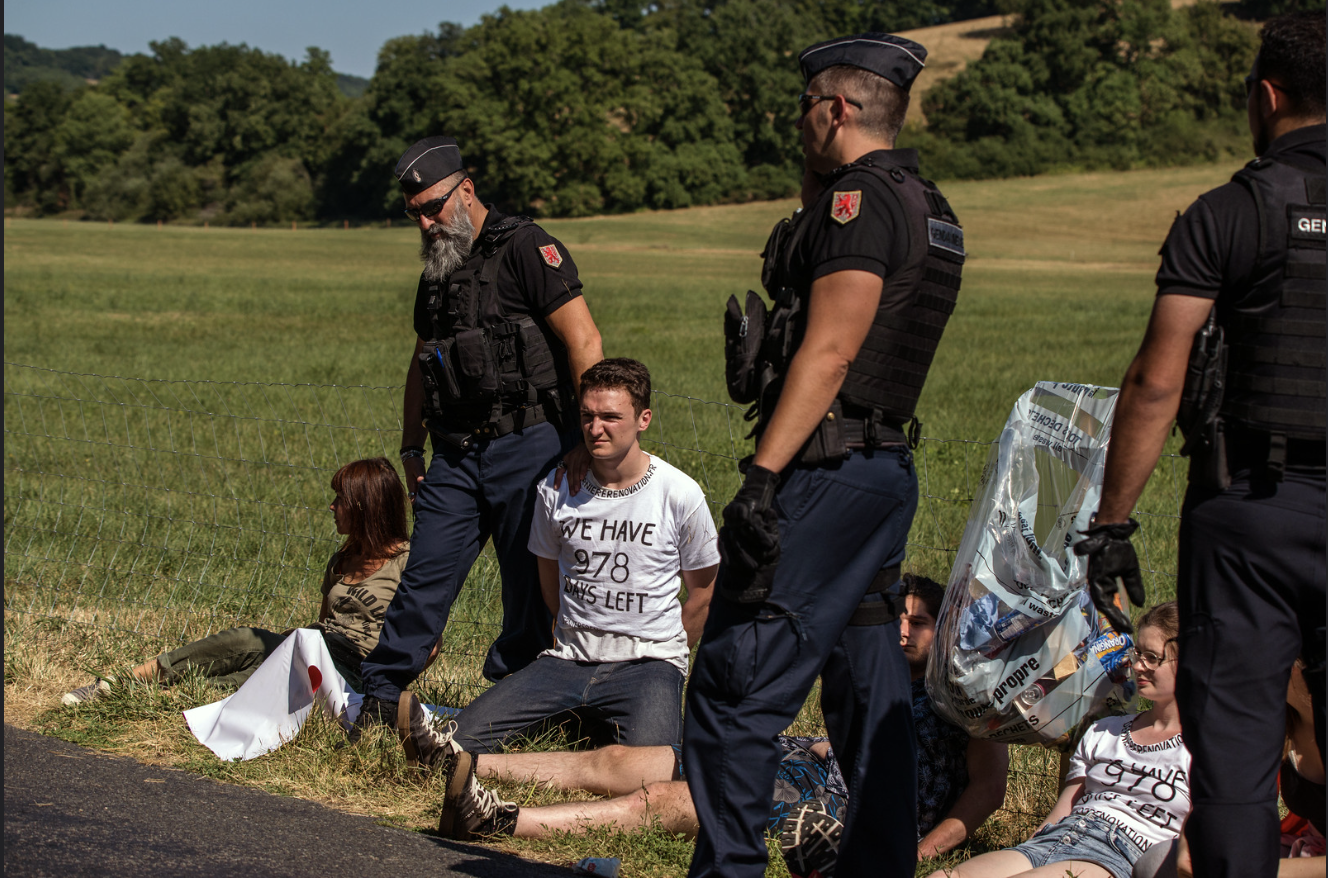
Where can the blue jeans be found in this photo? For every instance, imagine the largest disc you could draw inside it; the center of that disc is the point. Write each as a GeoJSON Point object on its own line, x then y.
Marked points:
{"type": "Point", "coordinates": [839, 525]}
{"type": "Point", "coordinates": [641, 700]}
{"type": "Point", "coordinates": [1083, 837]}
{"type": "Point", "coordinates": [466, 498]}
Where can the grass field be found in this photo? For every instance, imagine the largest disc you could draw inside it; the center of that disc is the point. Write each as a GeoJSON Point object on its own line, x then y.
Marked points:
{"type": "Point", "coordinates": [1058, 287]}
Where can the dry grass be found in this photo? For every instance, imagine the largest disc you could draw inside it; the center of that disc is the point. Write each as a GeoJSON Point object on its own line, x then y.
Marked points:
{"type": "Point", "coordinates": [950, 48]}
{"type": "Point", "coordinates": [45, 658]}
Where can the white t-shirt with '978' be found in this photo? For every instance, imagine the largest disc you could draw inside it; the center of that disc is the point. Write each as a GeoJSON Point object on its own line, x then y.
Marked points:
{"type": "Point", "coordinates": [1142, 788]}
{"type": "Point", "coordinates": [620, 554]}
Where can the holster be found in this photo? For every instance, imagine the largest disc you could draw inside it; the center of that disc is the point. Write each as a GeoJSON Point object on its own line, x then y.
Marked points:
{"type": "Point", "coordinates": [827, 441]}
{"type": "Point", "coordinates": [1208, 459]}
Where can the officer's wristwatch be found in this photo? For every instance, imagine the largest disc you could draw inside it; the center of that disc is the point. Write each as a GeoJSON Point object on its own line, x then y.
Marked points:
{"type": "Point", "coordinates": [409, 451]}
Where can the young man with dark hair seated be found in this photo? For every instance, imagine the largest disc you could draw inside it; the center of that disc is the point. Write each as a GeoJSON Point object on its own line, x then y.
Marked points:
{"type": "Point", "coordinates": [612, 553]}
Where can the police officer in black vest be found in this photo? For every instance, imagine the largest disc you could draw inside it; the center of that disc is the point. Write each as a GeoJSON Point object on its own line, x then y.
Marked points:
{"type": "Point", "coordinates": [503, 336]}
{"type": "Point", "coordinates": [862, 281]}
{"type": "Point", "coordinates": [1249, 254]}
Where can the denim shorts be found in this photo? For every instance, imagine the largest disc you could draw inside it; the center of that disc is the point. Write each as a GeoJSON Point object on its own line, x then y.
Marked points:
{"type": "Point", "coordinates": [1083, 837]}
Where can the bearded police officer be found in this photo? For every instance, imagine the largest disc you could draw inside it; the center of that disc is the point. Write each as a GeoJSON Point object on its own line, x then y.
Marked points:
{"type": "Point", "coordinates": [503, 334]}
{"type": "Point", "coordinates": [863, 280]}
{"type": "Point", "coordinates": [1252, 575]}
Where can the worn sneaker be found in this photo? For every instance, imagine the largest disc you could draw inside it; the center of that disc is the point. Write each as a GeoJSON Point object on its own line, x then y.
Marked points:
{"type": "Point", "coordinates": [469, 810]}
{"type": "Point", "coordinates": [809, 838]}
{"type": "Point", "coordinates": [428, 745]}
{"type": "Point", "coordinates": [91, 692]}
{"type": "Point", "coordinates": [373, 712]}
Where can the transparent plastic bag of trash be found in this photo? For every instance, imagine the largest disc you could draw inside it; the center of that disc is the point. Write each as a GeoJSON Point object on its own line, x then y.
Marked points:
{"type": "Point", "coordinates": [1021, 654]}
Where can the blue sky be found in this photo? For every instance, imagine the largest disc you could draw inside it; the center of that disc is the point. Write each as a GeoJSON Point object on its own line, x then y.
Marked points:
{"type": "Point", "coordinates": [351, 31]}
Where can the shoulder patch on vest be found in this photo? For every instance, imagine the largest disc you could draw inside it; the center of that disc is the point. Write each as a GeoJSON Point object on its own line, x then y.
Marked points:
{"type": "Point", "coordinates": [551, 255]}
{"type": "Point", "coordinates": [845, 206]}
{"type": "Point", "coordinates": [946, 236]}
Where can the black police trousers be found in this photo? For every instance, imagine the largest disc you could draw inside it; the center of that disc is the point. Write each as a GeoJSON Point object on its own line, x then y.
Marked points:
{"type": "Point", "coordinates": [1251, 595]}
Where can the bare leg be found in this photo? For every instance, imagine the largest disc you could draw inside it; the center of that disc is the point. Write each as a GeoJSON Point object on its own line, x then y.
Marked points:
{"type": "Point", "coordinates": [670, 801]}
{"type": "Point", "coordinates": [997, 864]}
{"type": "Point", "coordinates": [609, 771]}
{"type": "Point", "coordinates": [148, 671]}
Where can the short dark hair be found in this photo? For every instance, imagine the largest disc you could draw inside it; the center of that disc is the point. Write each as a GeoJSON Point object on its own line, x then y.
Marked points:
{"type": "Point", "coordinates": [620, 373]}
{"type": "Point", "coordinates": [375, 507]}
{"type": "Point", "coordinates": [884, 104]}
{"type": "Point", "coordinates": [929, 591]}
{"type": "Point", "coordinates": [1292, 55]}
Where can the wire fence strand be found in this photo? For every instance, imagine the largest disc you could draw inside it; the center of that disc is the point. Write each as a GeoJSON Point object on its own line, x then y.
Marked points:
{"type": "Point", "coordinates": [173, 509]}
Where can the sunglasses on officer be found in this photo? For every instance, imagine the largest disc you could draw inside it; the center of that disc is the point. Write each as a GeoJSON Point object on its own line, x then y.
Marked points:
{"type": "Point", "coordinates": [431, 209]}
{"type": "Point", "coordinates": [807, 101]}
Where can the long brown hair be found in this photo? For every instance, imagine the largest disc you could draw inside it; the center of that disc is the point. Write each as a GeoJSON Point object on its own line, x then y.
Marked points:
{"type": "Point", "coordinates": [375, 507]}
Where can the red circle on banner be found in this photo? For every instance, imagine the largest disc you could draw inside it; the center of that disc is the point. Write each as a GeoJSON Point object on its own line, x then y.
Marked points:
{"type": "Point", "coordinates": [315, 678]}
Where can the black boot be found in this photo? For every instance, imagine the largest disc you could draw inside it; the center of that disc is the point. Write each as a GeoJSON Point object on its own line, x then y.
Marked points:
{"type": "Point", "coordinates": [373, 712]}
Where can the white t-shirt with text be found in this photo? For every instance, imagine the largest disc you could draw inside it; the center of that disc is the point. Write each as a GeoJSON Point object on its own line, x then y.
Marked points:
{"type": "Point", "coordinates": [1144, 789]}
{"type": "Point", "coordinates": [620, 555]}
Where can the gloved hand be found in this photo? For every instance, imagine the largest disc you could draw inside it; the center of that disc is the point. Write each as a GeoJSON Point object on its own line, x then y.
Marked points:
{"type": "Point", "coordinates": [1111, 557]}
{"type": "Point", "coordinates": [749, 539]}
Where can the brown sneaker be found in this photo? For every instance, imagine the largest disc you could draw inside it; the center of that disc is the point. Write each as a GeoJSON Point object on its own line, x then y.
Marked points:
{"type": "Point", "coordinates": [428, 744]}
{"type": "Point", "coordinates": [469, 810]}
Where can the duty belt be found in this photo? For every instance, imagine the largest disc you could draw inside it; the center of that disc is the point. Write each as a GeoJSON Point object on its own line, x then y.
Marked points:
{"type": "Point", "coordinates": [884, 611]}
{"type": "Point", "coordinates": [860, 433]}
{"type": "Point", "coordinates": [1253, 449]}
{"type": "Point", "coordinates": [510, 422]}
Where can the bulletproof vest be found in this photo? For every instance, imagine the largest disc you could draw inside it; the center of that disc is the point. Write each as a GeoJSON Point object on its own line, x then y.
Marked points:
{"type": "Point", "coordinates": [476, 358]}
{"type": "Point", "coordinates": [885, 379]}
{"type": "Point", "coordinates": [1275, 362]}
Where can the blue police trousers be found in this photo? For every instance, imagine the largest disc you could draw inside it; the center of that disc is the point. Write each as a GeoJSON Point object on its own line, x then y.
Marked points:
{"type": "Point", "coordinates": [1251, 596]}
{"type": "Point", "coordinates": [468, 496]}
{"type": "Point", "coordinates": [839, 525]}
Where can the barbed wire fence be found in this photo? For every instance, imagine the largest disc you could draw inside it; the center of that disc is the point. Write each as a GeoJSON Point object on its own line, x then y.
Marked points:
{"type": "Point", "coordinates": [171, 509]}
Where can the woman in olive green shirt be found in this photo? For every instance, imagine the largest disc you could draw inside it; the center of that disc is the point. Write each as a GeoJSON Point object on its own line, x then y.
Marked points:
{"type": "Point", "coordinates": [360, 579]}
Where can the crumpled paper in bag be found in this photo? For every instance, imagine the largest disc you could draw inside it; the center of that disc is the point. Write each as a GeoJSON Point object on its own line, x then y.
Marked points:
{"type": "Point", "coordinates": [1021, 655]}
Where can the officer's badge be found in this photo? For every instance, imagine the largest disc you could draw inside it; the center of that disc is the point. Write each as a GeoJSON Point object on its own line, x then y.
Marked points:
{"type": "Point", "coordinates": [551, 255]}
{"type": "Point", "coordinates": [415, 175]}
{"type": "Point", "coordinates": [844, 207]}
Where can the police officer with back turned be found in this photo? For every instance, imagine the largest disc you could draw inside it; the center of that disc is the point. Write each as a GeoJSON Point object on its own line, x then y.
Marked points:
{"type": "Point", "coordinates": [1247, 389]}
{"type": "Point", "coordinates": [863, 280]}
{"type": "Point", "coordinates": [503, 335]}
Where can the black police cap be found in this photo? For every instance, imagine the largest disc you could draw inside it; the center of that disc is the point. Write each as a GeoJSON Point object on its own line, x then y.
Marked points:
{"type": "Point", "coordinates": [897, 59]}
{"type": "Point", "coordinates": [426, 162]}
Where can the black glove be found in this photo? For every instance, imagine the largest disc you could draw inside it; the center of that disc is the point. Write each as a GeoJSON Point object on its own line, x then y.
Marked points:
{"type": "Point", "coordinates": [1111, 557]}
{"type": "Point", "coordinates": [749, 539]}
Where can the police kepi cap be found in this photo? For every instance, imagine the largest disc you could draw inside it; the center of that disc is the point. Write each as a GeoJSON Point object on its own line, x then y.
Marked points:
{"type": "Point", "coordinates": [897, 59]}
{"type": "Point", "coordinates": [426, 162]}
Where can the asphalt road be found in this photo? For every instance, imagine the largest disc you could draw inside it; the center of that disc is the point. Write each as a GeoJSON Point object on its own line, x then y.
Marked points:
{"type": "Point", "coordinates": [70, 811]}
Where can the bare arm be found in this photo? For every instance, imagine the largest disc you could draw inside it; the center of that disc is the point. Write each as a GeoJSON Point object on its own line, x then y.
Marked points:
{"type": "Point", "coordinates": [839, 314]}
{"type": "Point", "coordinates": [988, 766]}
{"type": "Point", "coordinates": [413, 431]}
{"type": "Point", "coordinates": [323, 611]}
{"type": "Point", "coordinates": [548, 576]}
{"type": "Point", "coordinates": [700, 585]}
{"type": "Point", "coordinates": [576, 329]}
{"type": "Point", "coordinates": [1149, 397]}
{"type": "Point", "coordinates": [1069, 795]}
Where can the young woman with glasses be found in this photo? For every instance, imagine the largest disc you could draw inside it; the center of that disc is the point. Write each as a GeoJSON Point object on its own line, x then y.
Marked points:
{"type": "Point", "coordinates": [1128, 783]}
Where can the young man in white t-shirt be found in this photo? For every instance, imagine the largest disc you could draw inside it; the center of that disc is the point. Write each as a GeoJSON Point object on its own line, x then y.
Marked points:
{"type": "Point", "coordinates": [611, 558]}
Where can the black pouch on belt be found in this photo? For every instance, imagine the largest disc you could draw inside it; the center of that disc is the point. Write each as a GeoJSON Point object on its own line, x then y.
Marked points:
{"type": "Point", "coordinates": [827, 441]}
{"type": "Point", "coordinates": [744, 331]}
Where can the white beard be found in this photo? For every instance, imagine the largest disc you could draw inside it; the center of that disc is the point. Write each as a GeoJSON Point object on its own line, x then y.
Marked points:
{"type": "Point", "coordinates": [444, 251]}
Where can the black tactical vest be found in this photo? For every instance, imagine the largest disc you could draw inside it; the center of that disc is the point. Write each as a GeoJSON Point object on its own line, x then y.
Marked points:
{"type": "Point", "coordinates": [885, 379]}
{"type": "Point", "coordinates": [1275, 362]}
{"type": "Point", "coordinates": [478, 364]}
